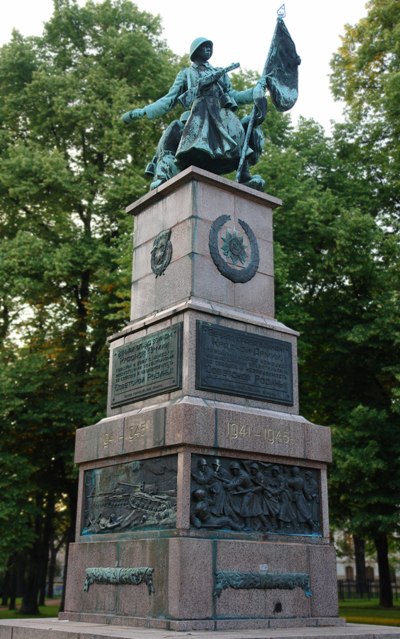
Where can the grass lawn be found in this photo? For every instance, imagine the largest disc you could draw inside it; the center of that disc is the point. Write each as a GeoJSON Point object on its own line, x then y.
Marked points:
{"type": "Point", "coordinates": [368, 611]}
{"type": "Point", "coordinates": [50, 610]}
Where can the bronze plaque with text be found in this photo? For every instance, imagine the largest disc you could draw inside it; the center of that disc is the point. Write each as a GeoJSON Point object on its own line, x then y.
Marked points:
{"type": "Point", "coordinates": [148, 366]}
{"type": "Point", "coordinates": [238, 363]}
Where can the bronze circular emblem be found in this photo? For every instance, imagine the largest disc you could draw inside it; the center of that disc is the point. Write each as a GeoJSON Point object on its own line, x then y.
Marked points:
{"type": "Point", "coordinates": [230, 253]}
{"type": "Point", "coordinates": [161, 252]}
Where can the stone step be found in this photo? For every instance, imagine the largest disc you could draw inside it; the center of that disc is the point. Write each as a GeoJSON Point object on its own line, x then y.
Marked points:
{"type": "Point", "coordinates": [58, 629]}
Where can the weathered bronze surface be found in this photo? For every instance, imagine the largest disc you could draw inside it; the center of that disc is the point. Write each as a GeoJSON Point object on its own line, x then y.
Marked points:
{"type": "Point", "coordinates": [251, 496]}
{"type": "Point", "coordinates": [209, 134]}
{"type": "Point", "coordinates": [161, 252]}
{"type": "Point", "coordinates": [130, 496]}
{"type": "Point", "coordinates": [239, 363]}
{"type": "Point", "coordinates": [147, 366]}
{"type": "Point", "coordinates": [119, 577]}
{"type": "Point", "coordinates": [279, 76]}
{"type": "Point", "coordinates": [261, 581]}
{"type": "Point", "coordinates": [229, 253]}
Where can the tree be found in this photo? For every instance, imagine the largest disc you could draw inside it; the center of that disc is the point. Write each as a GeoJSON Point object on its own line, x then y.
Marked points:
{"type": "Point", "coordinates": [337, 281]}
{"type": "Point", "coordinates": [366, 75]}
{"type": "Point", "coordinates": [68, 169]}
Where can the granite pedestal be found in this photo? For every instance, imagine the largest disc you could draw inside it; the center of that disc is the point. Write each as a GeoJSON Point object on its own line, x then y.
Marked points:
{"type": "Point", "coordinates": [203, 494]}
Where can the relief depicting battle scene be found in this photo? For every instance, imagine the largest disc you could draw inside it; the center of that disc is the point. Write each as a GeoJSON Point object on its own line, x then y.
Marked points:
{"type": "Point", "coordinates": [131, 496]}
{"type": "Point", "coordinates": [249, 496]}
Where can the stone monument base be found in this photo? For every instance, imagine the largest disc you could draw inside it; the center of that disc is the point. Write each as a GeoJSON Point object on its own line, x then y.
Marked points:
{"type": "Point", "coordinates": [58, 629]}
{"type": "Point", "coordinates": [202, 501]}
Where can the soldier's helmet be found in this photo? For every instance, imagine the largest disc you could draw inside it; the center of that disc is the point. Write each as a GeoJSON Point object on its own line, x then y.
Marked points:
{"type": "Point", "coordinates": [197, 43]}
{"type": "Point", "coordinates": [234, 466]}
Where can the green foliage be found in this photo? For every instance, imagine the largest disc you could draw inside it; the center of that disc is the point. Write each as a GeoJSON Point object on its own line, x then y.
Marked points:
{"type": "Point", "coordinates": [337, 271]}
{"type": "Point", "coordinates": [366, 74]}
{"type": "Point", "coordinates": [17, 509]}
{"type": "Point", "coordinates": [68, 169]}
{"type": "Point", "coordinates": [337, 282]}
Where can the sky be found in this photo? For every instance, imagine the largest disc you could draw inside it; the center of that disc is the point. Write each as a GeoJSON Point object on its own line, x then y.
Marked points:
{"type": "Point", "coordinates": [241, 34]}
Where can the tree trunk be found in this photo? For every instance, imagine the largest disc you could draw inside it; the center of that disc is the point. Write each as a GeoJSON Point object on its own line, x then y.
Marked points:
{"type": "Point", "coordinates": [6, 587]}
{"type": "Point", "coordinates": [30, 597]}
{"type": "Point", "coordinates": [29, 604]}
{"type": "Point", "coordinates": [12, 586]}
{"type": "Point", "coordinates": [15, 572]}
{"type": "Point", "coordinates": [45, 545]}
{"type": "Point", "coordinates": [361, 573]}
{"type": "Point", "coordinates": [385, 586]}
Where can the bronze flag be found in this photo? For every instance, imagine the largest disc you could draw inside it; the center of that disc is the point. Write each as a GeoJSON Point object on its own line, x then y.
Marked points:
{"type": "Point", "coordinates": [282, 68]}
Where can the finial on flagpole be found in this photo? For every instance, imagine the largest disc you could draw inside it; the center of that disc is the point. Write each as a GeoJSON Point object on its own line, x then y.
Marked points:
{"type": "Point", "coordinates": [281, 12]}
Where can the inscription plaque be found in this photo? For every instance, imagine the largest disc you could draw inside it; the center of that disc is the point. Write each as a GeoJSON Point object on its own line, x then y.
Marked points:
{"type": "Point", "coordinates": [239, 363]}
{"type": "Point", "coordinates": [147, 366]}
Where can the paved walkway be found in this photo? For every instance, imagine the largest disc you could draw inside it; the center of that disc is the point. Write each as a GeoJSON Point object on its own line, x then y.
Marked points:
{"type": "Point", "coordinates": [56, 629]}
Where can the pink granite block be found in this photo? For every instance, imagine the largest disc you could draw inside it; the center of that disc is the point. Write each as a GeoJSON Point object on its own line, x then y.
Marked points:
{"type": "Point", "coordinates": [104, 439]}
{"type": "Point", "coordinates": [100, 597]}
{"type": "Point", "coordinates": [318, 442]}
{"type": "Point", "coordinates": [183, 490]}
{"type": "Point", "coordinates": [193, 625]}
{"type": "Point", "coordinates": [181, 240]}
{"type": "Point", "coordinates": [260, 432]}
{"type": "Point", "coordinates": [190, 421]}
{"type": "Point", "coordinates": [201, 235]}
{"type": "Point", "coordinates": [142, 261]}
{"type": "Point", "coordinates": [147, 403]}
{"type": "Point", "coordinates": [253, 557]}
{"type": "Point", "coordinates": [144, 429]}
{"type": "Point", "coordinates": [190, 579]}
{"type": "Point", "coordinates": [211, 202]}
{"type": "Point", "coordinates": [174, 285]}
{"type": "Point", "coordinates": [322, 562]}
{"type": "Point", "coordinates": [324, 504]}
{"type": "Point", "coordinates": [114, 344]}
{"type": "Point", "coordinates": [149, 223]}
{"type": "Point", "coordinates": [161, 325]}
{"type": "Point", "coordinates": [297, 622]}
{"type": "Point", "coordinates": [86, 444]}
{"type": "Point", "coordinates": [143, 297]}
{"type": "Point", "coordinates": [135, 601]}
{"type": "Point", "coordinates": [40, 633]}
{"type": "Point", "coordinates": [257, 295]}
{"type": "Point", "coordinates": [208, 283]}
{"type": "Point", "coordinates": [266, 252]}
{"type": "Point", "coordinates": [178, 206]}
{"type": "Point", "coordinates": [134, 335]}
{"type": "Point", "coordinates": [257, 214]}
{"type": "Point", "coordinates": [189, 354]}
{"type": "Point", "coordinates": [6, 632]}
{"type": "Point", "coordinates": [110, 437]}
